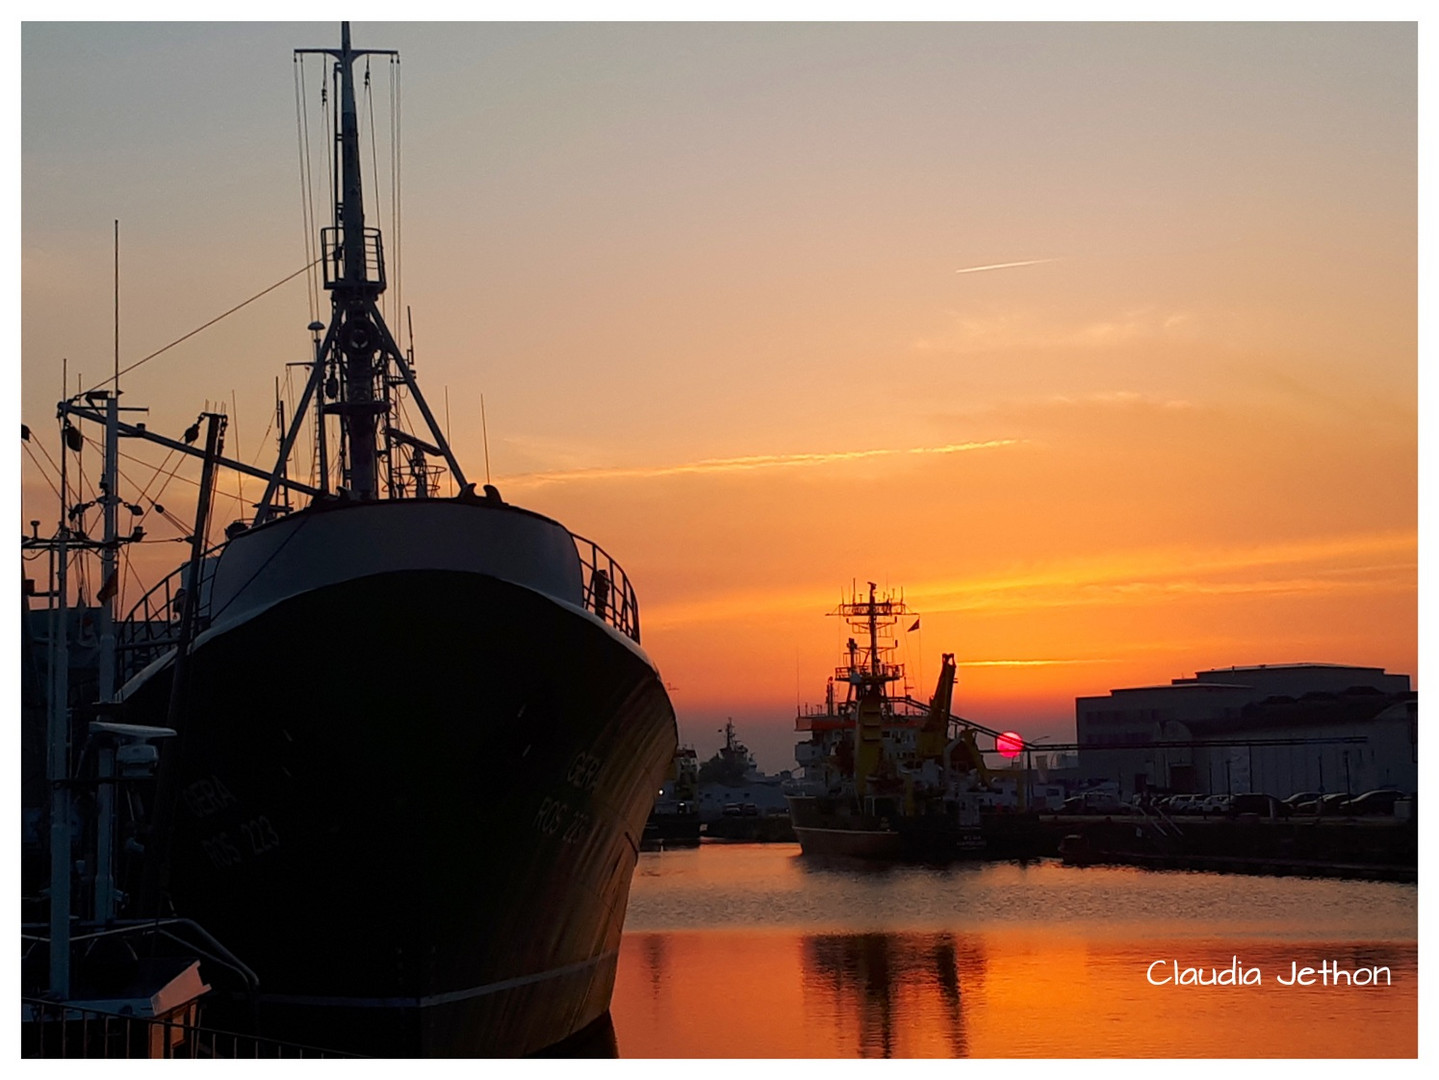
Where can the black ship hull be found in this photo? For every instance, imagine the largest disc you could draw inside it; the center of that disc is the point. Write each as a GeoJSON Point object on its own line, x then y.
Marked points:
{"type": "Point", "coordinates": [422, 848]}
{"type": "Point", "coordinates": [835, 828]}
{"type": "Point", "coordinates": [835, 843]}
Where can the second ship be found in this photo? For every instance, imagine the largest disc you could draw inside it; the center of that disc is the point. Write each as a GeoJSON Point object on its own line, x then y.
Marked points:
{"type": "Point", "coordinates": [886, 777]}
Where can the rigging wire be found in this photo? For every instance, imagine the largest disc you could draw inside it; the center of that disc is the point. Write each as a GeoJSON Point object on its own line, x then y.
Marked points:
{"type": "Point", "coordinates": [449, 472]}
{"type": "Point", "coordinates": [374, 167]}
{"type": "Point", "coordinates": [155, 501]}
{"type": "Point", "coordinates": [259, 453]}
{"type": "Point", "coordinates": [275, 554]}
{"type": "Point", "coordinates": [330, 138]}
{"type": "Point", "coordinates": [41, 447]}
{"type": "Point", "coordinates": [289, 397]}
{"type": "Point", "coordinates": [207, 325]}
{"type": "Point", "coordinates": [307, 201]}
{"type": "Point", "coordinates": [43, 474]}
{"type": "Point", "coordinates": [395, 203]}
{"type": "Point", "coordinates": [145, 494]}
{"type": "Point", "coordinates": [215, 496]}
{"type": "Point", "coordinates": [126, 572]}
{"type": "Point", "coordinates": [405, 424]}
{"type": "Point", "coordinates": [235, 424]}
{"type": "Point", "coordinates": [81, 480]}
{"type": "Point", "coordinates": [210, 510]}
{"type": "Point", "coordinates": [78, 567]}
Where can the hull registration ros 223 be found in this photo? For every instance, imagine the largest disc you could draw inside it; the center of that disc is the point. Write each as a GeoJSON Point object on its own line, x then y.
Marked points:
{"type": "Point", "coordinates": [443, 860]}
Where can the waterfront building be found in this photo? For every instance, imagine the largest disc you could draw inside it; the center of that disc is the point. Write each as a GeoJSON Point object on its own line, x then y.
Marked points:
{"type": "Point", "coordinates": [1276, 728]}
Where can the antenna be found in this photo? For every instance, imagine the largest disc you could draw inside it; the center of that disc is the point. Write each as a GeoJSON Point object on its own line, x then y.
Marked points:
{"type": "Point", "coordinates": [485, 433]}
{"type": "Point", "coordinates": [117, 305]}
{"type": "Point", "coordinates": [796, 680]}
{"type": "Point", "coordinates": [284, 467]}
{"type": "Point", "coordinates": [239, 476]}
{"type": "Point", "coordinates": [447, 434]}
{"type": "Point", "coordinates": [64, 483]}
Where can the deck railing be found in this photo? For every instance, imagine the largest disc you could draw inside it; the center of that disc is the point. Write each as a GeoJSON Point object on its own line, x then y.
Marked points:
{"type": "Point", "coordinates": [607, 591]}
{"type": "Point", "coordinates": [153, 626]}
{"type": "Point", "coordinates": [332, 246]}
{"type": "Point", "coordinates": [53, 1029]}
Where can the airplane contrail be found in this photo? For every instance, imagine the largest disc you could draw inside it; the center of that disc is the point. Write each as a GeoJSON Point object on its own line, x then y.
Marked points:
{"type": "Point", "coordinates": [1032, 663]}
{"type": "Point", "coordinates": [1003, 266]}
{"type": "Point", "coordinates": [744, 464]}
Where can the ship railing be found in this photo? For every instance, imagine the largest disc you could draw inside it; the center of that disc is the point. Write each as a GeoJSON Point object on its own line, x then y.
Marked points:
{"type": "Point", "coordinates": [337, 273]}
{"type": "Point", "coordinates": [57, 1029]}
{"type": "Point", "coordinates": [152, 628]}
{"type": "Point", "coordinates": [607, 591]}
{"type": "Point", "coordinates": [887, 672]}
{"type": "Point", "coordinates": [823, 722]}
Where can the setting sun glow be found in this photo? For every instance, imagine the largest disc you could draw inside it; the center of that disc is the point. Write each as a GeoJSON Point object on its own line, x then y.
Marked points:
{"type": "Point", "coordinates": [1097, 340]}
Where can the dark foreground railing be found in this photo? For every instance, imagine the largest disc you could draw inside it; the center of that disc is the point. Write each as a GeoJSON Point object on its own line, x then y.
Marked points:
{"type": "Point", "coordinates": [608, 592]}
{"type": "Point", "coordinates": [152, 628]}
{"type": "Point", "coordinates": [52, 1029]}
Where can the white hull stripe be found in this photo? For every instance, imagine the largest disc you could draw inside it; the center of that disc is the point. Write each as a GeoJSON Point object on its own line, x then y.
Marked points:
{"type": "Point", "coordinates": [435, 999]}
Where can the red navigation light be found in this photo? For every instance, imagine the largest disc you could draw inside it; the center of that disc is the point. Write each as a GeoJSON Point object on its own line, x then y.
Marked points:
{"type": "Point", "coordinates": [1009, 744]}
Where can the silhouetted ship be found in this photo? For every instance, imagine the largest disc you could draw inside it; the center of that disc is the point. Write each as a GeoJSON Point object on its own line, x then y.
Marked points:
{"type": "Point", "coordinates": [885, 776]}
{"type": "Point", "coordinates": [740, 802]}
{"type": "Point", "coordinates": [675, 819]}
{"type": "Point", "coordinates": [417, 736]}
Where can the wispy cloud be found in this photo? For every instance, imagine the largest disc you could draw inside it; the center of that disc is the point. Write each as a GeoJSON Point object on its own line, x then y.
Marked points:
{"type": "Point", "coordinates": [1030, 329]}
{"type": "Point", "coordinates": [1326, 565]}
{"type": "Point", "coordinates": [1003, 266]}
{"type": "Point", "coordinates": [1119, 399]}
{"type": "Point", "coordinates": [1035, 663]}
{"type": "Point", "coordinates": [747, 464]}
{"type": "Point", "coordinates": [1356, 564]}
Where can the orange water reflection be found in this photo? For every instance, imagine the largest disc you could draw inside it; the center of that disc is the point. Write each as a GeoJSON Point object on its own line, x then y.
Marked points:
{"type": "Point", "coordinates": [996, 993]}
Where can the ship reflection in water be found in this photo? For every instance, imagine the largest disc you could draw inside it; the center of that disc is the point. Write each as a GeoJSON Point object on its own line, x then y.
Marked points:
{"type": "Point", "coordinates": [748, 951]}
{"type": "Point", "coordinates": [884, 986]}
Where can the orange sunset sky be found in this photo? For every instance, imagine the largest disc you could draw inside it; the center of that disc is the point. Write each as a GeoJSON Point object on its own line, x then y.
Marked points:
{"type": "Point", "coordinates": [1099, 340]}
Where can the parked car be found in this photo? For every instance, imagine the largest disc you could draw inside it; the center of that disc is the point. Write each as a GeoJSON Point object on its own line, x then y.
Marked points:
{"type": "Point", "coordinates": [1096, 802]}
{"type": "Point", "coordinates": [1215, 804]}
{"type": "Point", "coordinates": [1330, 804]}
{"type": "Point", "coordinates": [1253, 802]}
{"type": "Point", "coordinates": [1103, 802]}
{"type": "Point", "coordinates": [1300, 797]}
{"type": "Point", "coordinates": [1184, 804]}
{"type": "Point", "coordinates": [1379, 801]}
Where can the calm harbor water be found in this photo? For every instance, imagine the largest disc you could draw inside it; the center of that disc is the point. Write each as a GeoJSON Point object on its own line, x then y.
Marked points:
{"type": "Point", "coordinates": [754, 951]}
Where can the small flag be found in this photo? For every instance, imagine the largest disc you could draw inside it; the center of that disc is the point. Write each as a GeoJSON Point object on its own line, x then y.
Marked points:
{"type": "Point", "coordinates": [110, 589]}
{"type": "Point", "coordinates": [914, 627]}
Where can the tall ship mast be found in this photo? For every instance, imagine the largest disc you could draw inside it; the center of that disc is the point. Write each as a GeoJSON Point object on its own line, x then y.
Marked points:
{"type": "Point", "coordinates": [411, 740]}
{"type": "Point", "coordinates": [357, 363]}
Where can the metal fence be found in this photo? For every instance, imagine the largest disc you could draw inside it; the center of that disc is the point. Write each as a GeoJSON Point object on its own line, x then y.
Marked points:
{"type": "Point", "coordinates": [152, 628]}
{"type": "Point", "coordinates": [53, 1030]}
{"type": "Point", "coordinates": [608, 592]}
